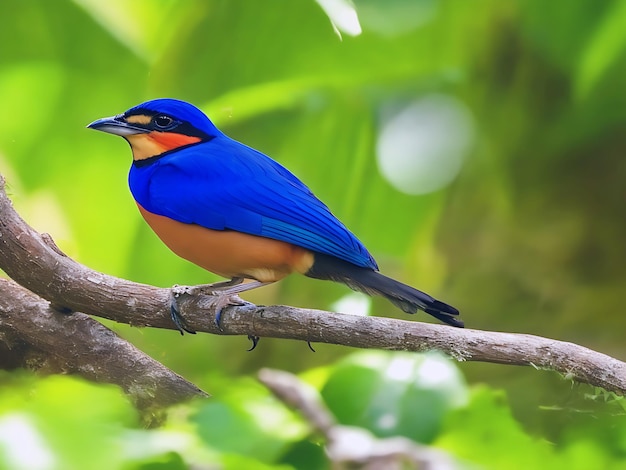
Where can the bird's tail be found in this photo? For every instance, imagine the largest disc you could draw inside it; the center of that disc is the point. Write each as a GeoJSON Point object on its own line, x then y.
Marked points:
{"type": "Point", "coordinates": [371, 282]}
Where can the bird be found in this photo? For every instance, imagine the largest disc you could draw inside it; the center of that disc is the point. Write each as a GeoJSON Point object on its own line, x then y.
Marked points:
{"type": "Point", "coordinates": [238, 213]}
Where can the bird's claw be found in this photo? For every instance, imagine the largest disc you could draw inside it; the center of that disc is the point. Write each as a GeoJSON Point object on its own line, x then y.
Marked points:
{"type": "Point", "coordinates": [178, 320]}
{"type": "Point", "coordinates": [255, 341]}
{"type": "Point", "coordinates": [221, 301]}
{"type": "Point", "coordinates": [221, 295]}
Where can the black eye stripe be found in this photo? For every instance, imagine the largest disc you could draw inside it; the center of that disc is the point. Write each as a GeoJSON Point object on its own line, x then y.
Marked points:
{"type": "Point", "coordinates": [178, 125]}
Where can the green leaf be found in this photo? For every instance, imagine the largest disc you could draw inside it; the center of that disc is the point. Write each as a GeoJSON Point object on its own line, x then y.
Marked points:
{"type": "Point", "coordinates": [485, 432]}
{"type": "Point", "coordinates": [602, 50]}
{"type": "Point", "coordinates": [395, 393]}
{"type": "Point", "coordinates": [62, 421]}
{"type": "Point", "coordinates": [306, 455]}
{"type": "Point", "coordinates": [247, 421]}
{"type": "Point", "coordinates": [168, 461]}
{"type": "Point", "coordinates": [145, 28]}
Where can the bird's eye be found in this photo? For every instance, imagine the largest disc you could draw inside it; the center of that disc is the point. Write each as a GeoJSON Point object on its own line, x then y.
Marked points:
{"type": "Point", "coordinates": [162, 121]}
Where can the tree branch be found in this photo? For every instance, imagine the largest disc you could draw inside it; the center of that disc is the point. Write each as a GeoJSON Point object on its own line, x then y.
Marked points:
{"type": "Point", "coordinates": [56, 342]}
{"type": "Point", "coordinates": [34, 261]}
{"type": "Point", "coordinates": [351, 447]}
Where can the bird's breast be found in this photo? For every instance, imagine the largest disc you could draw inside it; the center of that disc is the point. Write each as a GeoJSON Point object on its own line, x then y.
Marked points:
{"type": "Point", "coordinates": [229, 253]}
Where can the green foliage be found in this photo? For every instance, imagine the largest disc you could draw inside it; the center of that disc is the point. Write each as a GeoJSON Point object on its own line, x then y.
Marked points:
{"type": "Point", "coordinates": [249, 422]}
{"type": "Point", "coordinates": [525, 233]}
{"type": "Point", "coordinates": [486, 433]}
{"type": "Point", "coordinates": [63, 422]}
{"type": "Point", "coordinates": [487, 424]}
{"type": "Point", "coordinates": [395, 394]}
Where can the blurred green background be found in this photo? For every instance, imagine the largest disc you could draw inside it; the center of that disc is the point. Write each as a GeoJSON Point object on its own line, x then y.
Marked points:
{"type": "Point", "coordinates": [476, 148]}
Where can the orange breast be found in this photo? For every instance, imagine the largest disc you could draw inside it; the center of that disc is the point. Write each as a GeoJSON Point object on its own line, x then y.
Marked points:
{"type": "Point", "coordinates": [228, 253]}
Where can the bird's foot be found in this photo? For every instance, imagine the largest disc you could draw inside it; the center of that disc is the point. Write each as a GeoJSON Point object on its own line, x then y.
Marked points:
{"type": "Point", "coordinates": [226, 293]}
{"type": "Point", "coordinates": [204, 289]}
{"type": "Point", "coordinates": [180, 322]}
{"type": "Point", "coordinates": [221, 300]}
{"type": "Point", "coordinates": [221, 295]}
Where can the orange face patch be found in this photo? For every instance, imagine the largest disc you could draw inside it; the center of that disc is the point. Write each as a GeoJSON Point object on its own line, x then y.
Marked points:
{"type": "Point", "coordinates": [139, 119]}
{"type": "Point", "coordinates": [170, 140]}
{"type": "Point", "coordinates": [155, 143]}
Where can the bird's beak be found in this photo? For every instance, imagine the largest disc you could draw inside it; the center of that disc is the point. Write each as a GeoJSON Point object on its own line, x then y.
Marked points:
{"type": "Point", "coordinates": [116, 125]}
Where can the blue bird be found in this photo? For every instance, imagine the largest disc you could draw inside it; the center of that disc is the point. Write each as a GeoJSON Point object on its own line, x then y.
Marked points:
{"type": "Point", "coordinates": [236, 212]}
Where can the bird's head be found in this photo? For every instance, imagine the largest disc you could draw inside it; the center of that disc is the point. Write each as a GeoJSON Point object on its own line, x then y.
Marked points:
{"type": "Point", "coordinates": [158, 126]}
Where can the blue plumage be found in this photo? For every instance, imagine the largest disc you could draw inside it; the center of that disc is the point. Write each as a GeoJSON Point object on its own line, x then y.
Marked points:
{"type": "Point", "coordinates": [185, 169]}
{"type": "Point", "coordinates": [222, 184]}
{"type": "Point", "coordinates": [182, 110]}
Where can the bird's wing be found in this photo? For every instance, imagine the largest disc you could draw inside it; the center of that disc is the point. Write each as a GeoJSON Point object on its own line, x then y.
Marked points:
{"type": "Point", "coordinates": [225, 185]}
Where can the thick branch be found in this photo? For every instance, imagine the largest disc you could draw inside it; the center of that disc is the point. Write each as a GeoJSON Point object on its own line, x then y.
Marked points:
{"type": "Point", "coordinates": [33, 261]}
{"type": "Point", "coordinates": [57, 342]}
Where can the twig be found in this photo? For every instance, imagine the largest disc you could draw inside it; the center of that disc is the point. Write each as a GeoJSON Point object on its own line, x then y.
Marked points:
{"type": "Point", "coordinates": [350, 446]}
{"type": "Point", "coordinates": [31, 260]}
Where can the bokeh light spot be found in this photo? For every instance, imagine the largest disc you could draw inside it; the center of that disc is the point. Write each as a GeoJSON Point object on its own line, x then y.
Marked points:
{"type": "Point", "coordinates": [421, 147]}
